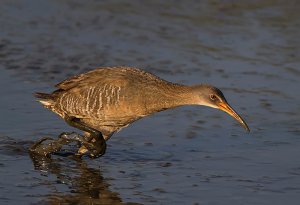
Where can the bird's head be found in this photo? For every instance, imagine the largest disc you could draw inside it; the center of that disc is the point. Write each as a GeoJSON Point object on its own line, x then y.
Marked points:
{"type": "Point", "coordinates": [210, 96]}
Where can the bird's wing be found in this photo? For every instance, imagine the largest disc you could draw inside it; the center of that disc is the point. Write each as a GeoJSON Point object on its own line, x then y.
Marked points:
{"type": "Point", "coordinates": [109, 75]}
{"type": "Point", "coordinates": [88, 94]}
{"type": "Point", "coordinates": [78, 80]}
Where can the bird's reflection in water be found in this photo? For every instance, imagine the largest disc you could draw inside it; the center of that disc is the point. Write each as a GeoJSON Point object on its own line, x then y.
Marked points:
{"type": "Point", "coordinates": [86, 185]}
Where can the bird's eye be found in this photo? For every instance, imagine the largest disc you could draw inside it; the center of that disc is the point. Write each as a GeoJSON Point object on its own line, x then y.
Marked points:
{"type": "Point", "coordinates": [213, 97]}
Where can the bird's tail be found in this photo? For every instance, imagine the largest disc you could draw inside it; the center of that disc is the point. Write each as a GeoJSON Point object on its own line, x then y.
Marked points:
{"type": "Point", "coordinates": [46, 99]}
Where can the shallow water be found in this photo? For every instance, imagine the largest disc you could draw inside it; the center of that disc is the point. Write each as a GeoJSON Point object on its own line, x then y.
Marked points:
{"type": "Point", "coordinates": [190, 155]}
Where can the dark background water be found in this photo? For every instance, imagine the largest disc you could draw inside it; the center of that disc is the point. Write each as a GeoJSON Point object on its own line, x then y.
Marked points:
{"type": "Point", "coordinates": [190, 155]}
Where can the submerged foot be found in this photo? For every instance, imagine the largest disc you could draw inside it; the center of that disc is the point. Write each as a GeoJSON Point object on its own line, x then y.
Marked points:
{"type": "Point", "coordinates": [96, 145]}
{"type": "Point", "coordinates": [53, 146]}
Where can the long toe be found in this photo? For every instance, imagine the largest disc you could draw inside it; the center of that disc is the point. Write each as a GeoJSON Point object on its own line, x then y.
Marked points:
{"type": "Point", "coordinates": [38, 143]}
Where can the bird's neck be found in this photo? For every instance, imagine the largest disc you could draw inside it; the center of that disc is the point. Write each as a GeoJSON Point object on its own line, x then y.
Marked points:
{"type": "Point", "coordinates": [171, 96]}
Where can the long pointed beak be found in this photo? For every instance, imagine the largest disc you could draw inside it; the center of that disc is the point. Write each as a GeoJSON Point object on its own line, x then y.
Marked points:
{"type": "Point", "coordinates": [228, 109]}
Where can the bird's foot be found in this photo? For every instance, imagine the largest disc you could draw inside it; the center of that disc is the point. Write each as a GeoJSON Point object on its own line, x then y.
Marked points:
{"type": "Point", "coordinates": [53, 146]}
{"type": "Point", "coordinates": [96, 145]}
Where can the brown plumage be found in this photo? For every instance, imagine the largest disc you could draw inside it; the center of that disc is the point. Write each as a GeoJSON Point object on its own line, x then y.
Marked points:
{"type": "Point", "coordinates": [108, 99]}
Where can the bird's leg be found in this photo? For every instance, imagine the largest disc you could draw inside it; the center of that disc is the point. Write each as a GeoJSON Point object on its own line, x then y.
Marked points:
{"type": "Point", "coordinates": [55, 145]}
{"type": "Point", "coordinates": [95, 143]}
